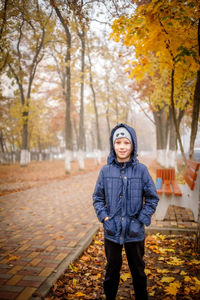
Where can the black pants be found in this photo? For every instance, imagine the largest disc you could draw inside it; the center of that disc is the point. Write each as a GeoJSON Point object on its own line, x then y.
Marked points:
{"type": "Point", "coordinates": [134, 253]}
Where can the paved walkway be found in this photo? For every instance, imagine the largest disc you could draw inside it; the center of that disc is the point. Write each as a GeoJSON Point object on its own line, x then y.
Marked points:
{"type": "Point", "coordinates": [44, 228]}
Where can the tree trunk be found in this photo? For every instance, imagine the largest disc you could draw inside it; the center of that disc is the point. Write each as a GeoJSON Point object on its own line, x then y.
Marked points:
{"type": "Point", "coordinates": [171, 155]}
{"type": "Point", "coordinates": [108, 119]}
{"type": "Point", "coordinates": [19, 77]}
{"type": "Point", "coordinates": [161, 122]}
{"type": "Point", "coordinates": [196, 104]}
{"type": "Point", "coordinates": [1, 142]}
{"type": "Point", "coordinates": [24, 155]}
{"type": "Point", "coordinates": [108, 105]}
{"type": "Point", "coordinates": [116, 110]}
{"type": "Point", "coordinates": [195, 115]}
{"type": "Point", "coordinates": [126, 112]}
{"type": "Point", "coordinates": [174, 116]}
{"type": "Point", "coordinates": [68, 125]}
{"type": "Point", "coordinates": [2, 28]}
{"type": "Point", "coordinates": [75, 130]}
{"type": "Point", "coordinates": [2, 148]}
{"type": "Point", "coordinates": [99, 145]}
{"type": "Point", "coordinates": [197, 239]}
{"type": "Point", "coordinates": [81, 124]}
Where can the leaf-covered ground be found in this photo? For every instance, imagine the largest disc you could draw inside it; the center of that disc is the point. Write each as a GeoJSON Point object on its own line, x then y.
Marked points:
{"type": "Point", "coordinates": [14, 178]}
{"type": "Point", "coordinates": [172, 268]}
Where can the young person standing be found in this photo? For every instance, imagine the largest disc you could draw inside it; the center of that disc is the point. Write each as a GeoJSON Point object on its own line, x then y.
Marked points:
{"type": "Point", "coordinates": [124, 200]}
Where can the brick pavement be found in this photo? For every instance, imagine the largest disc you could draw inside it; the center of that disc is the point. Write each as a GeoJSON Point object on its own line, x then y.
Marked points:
{"type": "Point", "coordinates": [44, 228]}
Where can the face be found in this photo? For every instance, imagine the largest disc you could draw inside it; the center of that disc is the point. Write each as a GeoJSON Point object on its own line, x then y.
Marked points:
{"type": "Point", "coordinates": [123, 149]}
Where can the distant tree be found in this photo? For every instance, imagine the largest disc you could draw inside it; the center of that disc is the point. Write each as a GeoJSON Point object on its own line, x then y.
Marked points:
{"type": "Point", "coordinates": [196, 102]}
{"type": "Point", "coordinates": [166, 29]}
{"type": "Point", "coordinates": [81, 28]}
{"type": "Point", "coordinates": [63, 12]}
{"type": "Point", "coordinates": [91, 83]}
{"type": "Point", "coordinates": [32, 24]}
{"type": "Point", "coordinates": [3, 28]}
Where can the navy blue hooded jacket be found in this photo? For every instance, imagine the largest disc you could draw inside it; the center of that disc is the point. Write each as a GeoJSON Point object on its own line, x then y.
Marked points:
{"type": "Point", "coordinates": [126, 194]}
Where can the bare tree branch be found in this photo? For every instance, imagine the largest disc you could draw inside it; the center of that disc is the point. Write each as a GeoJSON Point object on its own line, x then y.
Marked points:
{"type": "Point", "coordinates": [139, 104]}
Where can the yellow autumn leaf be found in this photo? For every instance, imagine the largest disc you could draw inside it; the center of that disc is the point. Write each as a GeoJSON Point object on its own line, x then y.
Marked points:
{"type": "Point", "coordinates": [172, 289]}
{"type": "Point", "coordinates": [162, 271]}
{"type": "Point", "coordinates": [164, 250]}
{"type": "Point", "coordinates": [125, 276]}
{"type": "Point", "coordinates": [175, 261]}
{"type": "Point", "coordinates": [187, 290]}
{"type": "Point", "coordinates": [147, 272]}
{"type": "Point", "coordinates": [73, 268]}
{"type": "Point", "coordinates": [127, 70]}
{"type": "Point", "coordinates": [161, 250]}
{"type": "Point", "coordinates": [13, 257]}
{"type": "Point", "coordinates": [195, 261]}
{"type": "Point", "coordinates": [155, 249]}
{"type": "Point", "coordinates": [98, 243]}
{"type": "Point", "coordinates": [167, 279]}
{"type": "Point", "coordinates": [196, 283]}
{"type": "Point", "coordinates": [161, 258]}
{"type": "Point", "coordinates": [196, 280]}
{"type": "Point", "coordinates": [169, 250]}
{"type": "Point", "coordinates": [79, 294]}
{"type": "Point", "coordinates": [152, 293]}
{"type": "Point", "coordinates": [195, 288]}
{"type": "Point", "coordinates": [160, 236]}
{"type": "Point", "coordinates": [183, 273]}
{"type": "Point", "coordinates": [187, 278]}
{"type": "Point", "coordinates": [74, 281]}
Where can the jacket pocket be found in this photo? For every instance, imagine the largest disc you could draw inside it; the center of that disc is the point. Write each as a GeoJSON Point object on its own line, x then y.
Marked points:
{"type": "Point", "coordinates": [110, 227]}
{"type": "Point", "coordinates": [135, 228]}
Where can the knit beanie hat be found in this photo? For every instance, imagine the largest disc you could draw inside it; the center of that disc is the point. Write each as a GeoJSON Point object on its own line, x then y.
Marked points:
{"type": "Point", "coordinates": [121, 132]}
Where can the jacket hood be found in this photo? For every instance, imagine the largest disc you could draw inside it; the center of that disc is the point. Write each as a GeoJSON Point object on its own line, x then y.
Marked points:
{"type": "Point", "coordinates": [112, 155]}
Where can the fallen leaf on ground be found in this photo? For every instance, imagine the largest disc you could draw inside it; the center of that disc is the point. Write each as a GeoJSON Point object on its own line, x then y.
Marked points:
{"type": "Point", "coordinates": [167, 279]}
{"type": "Point", "coordinates": [13, 257]}
{"type": "Point", "coordinates": [173, 288]}
{"type": "Point", "coordinates": [87, 276]}
{"type": "Point", "coordinates": [79, 294]}
{"type": "Point", "coordinates": [125, 276]}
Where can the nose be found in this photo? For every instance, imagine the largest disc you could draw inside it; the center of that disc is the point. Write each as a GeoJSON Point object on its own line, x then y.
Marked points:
{"type": "Point", "coordinates": [122, 146]}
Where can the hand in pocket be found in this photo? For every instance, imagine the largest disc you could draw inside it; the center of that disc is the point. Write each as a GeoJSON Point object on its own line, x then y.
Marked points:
{"type": "Point", "coordinates": [109, 226]}
{"type": "Point", "coordinates": [135, 228]}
